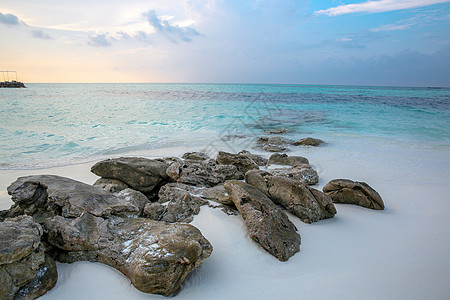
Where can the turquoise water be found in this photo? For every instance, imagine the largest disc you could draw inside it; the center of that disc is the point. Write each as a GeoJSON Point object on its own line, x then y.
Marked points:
{"type": "Point", "coordinates": [55, 124]}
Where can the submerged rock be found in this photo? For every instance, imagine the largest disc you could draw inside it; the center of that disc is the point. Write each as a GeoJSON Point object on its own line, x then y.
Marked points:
{"type": "Point", "coordinates": [267, 224]}
{"type": "Point", "coordinates": [285, 160]}
{"type": "Point", "coordinates": [25, 271]}
{"type": "Point", "coordinates": [242, 162]}
{"type": "Point", "coordinates": [309, 204]}
{"type": "Point", "coordinates": [353, 192]}
{"type": "Point", "coordinates": [155, 256]}
{"type": "Point", "coordinates": [272, 143]}
{"type": "Point", "coordinates": [202, 173]}
{"type": "Point", "coordinates": [302, 172]}
{"type": "Point", "coordinates": [141, 174]}
{"type": "Point", "coordinates": [308, 141]}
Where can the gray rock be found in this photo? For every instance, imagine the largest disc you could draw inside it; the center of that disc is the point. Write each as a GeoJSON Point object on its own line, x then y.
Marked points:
{"type": "Point", "coordinates": [267, 224]}
{"type": "Point", "coordinates": [136, 200]}
{"type": "Point", "coordinates": [285, 160]}
{"type": "Point", "coordinates": [309, 204]}
{"type": "Point", "coordinates": [25, 271]}
{"type": "Point", "coordinates": [202, 173]}
{"type": "Point", "coordinates": [274, 148]}
{"type": "Point", "coordinates": [196, 156]}
{"type": "Point", "coordinates": [141, 174]}
{"type": "Point", "coordinates": [277, 131]}
{"type": "Point", "coordinates": [242, 162]}
{"type": "Point", "coordinates": [303, 172]}
{"type": "Point", "coordinates": [66, 197]}
{"type": "Point", "coordinates": [272, 143]}
{"type": "Point", "coordinates": [111, 185]}
{"type": "Point", "coordinates": [259, 160]}
{"type": "Point", "coordinates": [217, 194]}
{"type": "Point", "coordinates": [308, 141]}
{"type": "Point", "coordinates": [155, 256]}
{"type": "Point", "coordinates": [353, 192]}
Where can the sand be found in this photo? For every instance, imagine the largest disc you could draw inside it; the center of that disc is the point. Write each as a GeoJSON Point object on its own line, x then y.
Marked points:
{"type": "Point", "coordinates": [399, 253]}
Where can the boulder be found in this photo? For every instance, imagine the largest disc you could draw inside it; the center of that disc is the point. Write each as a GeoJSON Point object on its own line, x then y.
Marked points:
{"type": "Point", "coordinates": [136, 200]}
{"type": "Point", "coordinates": [25, 271]}
{"type": "Point", "coordinates": [242, 162]}
{"type": "Point", "coordinates": [274, 148]}
{"type": "Point", "coordinates": [303, 172]}
{"type": "Point", "coordinates": [353, 192]}
{"type": "Point", "coordinates": [154, 255]}
{"type": "Point", "coordinates": [308, 141]}
{"type": "Point", "coordinates": [272, 143]}
{"type": "Point", "coordinates": [66, 197]}
{"type": "Point", "coordinates": [285, 160]}
{"type": "Point", "coordinates": [202, 173]}
{"type": "Point", "coordinates": [111, 185]}
{"type": "Point", "coordinates": [195, 156]}
{"type": "Point", "coordinates": [259, 160]}
{"type": "Point", "coordinates": [217, 194]}
{"type": "Point", "coordinates": [266, 223]}
{"type": "Point", "coordinates": [309, 204]}
{"type": "Point", "coordinates": [141, 174]}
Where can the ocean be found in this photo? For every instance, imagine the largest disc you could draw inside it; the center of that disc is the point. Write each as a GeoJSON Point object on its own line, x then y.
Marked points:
{"type": "Point", "coordinates": [48, 125]}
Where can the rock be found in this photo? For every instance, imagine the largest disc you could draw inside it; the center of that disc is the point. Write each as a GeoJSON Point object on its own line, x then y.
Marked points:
{"type": "Point", "coordinates": [217, 194]}
{"type": "Point", "coordinates": [196, 156]}
{"type": "Point", "coordinates": [155, 256]}
{"type": "Point", "coordinates": [309, 204]}
{"type": "Point", "coordinates": [136, 200]}
{"type": "Point", "coordinates": [180, 203]}
{"type": "Point", "coordinates": [274, 148]}
{"type": "Point", "coordinates": [285, 160]}
{"type": "Point", "coordinates": [141, 174]}
{"type": "Point", "coordinates": [308, 141]}
{"type": "Point", "coordinates": [66, 197]}
{"type": "Point", "coordinates": [267, 224]}
{"type": "Point", "coordinates": [111, 185]}
{"type": "Point", "coordinates": [277, 131]}
{"type": "Point", "coordinates": [259, 160]}
{"type": "Point", "coordinates": [353, 192]}
{"type": "Point", "coordinates": [202, 173]}
{"type": "Point", "coordinates": [303, 172]}
{"type": "Point", "coordinates": [25, 271]}
{"type": "Point", "coordinates": [242, 162]}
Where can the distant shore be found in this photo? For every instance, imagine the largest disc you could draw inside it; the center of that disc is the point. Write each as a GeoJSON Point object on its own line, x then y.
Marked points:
{"type": "Point", "coordinates": [12, 84]}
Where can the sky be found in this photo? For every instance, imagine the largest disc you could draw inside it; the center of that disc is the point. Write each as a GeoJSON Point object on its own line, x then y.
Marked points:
{"type": "Point", "coordinates": [379, 42]}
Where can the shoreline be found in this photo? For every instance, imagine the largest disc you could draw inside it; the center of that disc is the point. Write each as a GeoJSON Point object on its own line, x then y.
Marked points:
{"type": "Point", "coordinates": [400, 252]}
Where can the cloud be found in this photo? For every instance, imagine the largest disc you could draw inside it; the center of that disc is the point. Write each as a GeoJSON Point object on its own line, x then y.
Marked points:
{"type": "Point", "coordinates": [39, 34]}
{"type": "Point", "coordinates": [377, 6]}
{"type": "Point", "coordinates": [99, 40]}
{"type": "Point", "coordinates": [9, 19]}
{"type": "Point", "coordinates": [171, 31]}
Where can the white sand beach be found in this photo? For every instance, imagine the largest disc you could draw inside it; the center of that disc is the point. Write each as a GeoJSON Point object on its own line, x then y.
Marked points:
{"type": "Point", "coordinates": [401, 252]}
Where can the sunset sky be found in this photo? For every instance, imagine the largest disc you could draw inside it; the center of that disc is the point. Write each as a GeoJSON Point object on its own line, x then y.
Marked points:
{"type": "Point", "coordinates": [385, 42]}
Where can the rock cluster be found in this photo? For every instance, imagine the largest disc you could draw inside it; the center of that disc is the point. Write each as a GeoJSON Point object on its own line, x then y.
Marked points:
{"type": "Point", "coordinates": [12, 84]}
{"type": "Point", "coordinates": [134, 217]}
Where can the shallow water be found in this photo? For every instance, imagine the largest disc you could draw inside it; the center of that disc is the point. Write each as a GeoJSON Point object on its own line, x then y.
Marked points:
{"type": "Point", "coordinates": [59, 124]}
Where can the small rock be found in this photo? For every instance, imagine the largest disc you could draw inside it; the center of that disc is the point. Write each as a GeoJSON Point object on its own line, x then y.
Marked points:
{"type": "Point", "coordinates": [303, 172]}
{"type": "Point", "coordinates": [309, 204]}
{"type": "Point", "coordinates": [267, 224]}
{"type": "Point", "coordinates": [308, 141]}
{"type": "Point", "coordinates": [274, 148]}
{"type": "Point", "coordinates": [259, 160]}
{"type": "Point", "coordinates": [277, 131]}
{"type": "Point", "coordinates": [353, 192]}
{"type": "Point", "coordinates": [242, 162]}
{"type": "Point", "coordinates": [196, 156]}
{"type": "Point", "coordinates": [285, 160]}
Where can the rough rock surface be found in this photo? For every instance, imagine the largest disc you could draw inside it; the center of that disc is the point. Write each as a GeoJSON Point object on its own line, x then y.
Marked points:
{"type": "Point", "coordinates": [303, 172]}
{"type": "Point", "coordinates": [195, 156]}
{"type": "Point", "coordinates": [309, 204]}
{"type": "Point", "coordinates": [259, 160]}
{"type": "Point", "coordinates": [111, 185]}
{"type": "Point", "coordinates": [285, 160]}
{"type": "Point", "coordinates": [274, 148]}
{"type": "Point", "coordinates": [272, 143]}
{"type": "Point", "coordinates": [353, 192]}
{"type": "Point", "coordinates": [267, 224]}
{"type": "Point", "coordinates": [141, 174]}
{"type": "Point", "coordinates": [83, 222]}
{"type": "Point", "coordinates": [177, 203]}
{"type": "Point", "coordinates": [25, 271]}
{"type": "Point", "coordinates": [155, 256]}
{"type": "Point", "coordinates": [217, 194]}
{"type": "Point", "coordinates": [242, 162]}
{"type": "Point", "coordinates": [308, 141]}
{"type": "Point", "coordinates": [202, 173]}
{"type": "Point", "coordinates": [66, 197]}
